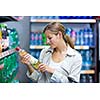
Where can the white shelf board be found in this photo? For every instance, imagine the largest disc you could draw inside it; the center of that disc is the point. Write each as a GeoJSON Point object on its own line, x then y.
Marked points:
{"type": "Point", "coordinates": [65, 20]}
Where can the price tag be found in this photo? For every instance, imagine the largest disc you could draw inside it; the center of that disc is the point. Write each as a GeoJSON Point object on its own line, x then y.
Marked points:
{"type": "Point", "coordinates": [81, 47]}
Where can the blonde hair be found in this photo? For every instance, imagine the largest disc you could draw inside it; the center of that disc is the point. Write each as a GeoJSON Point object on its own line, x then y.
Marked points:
{"type": "Point", "coordinates": [55, 27]}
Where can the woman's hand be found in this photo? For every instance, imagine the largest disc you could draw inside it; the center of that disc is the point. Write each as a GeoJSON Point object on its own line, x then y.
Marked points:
{"type": "Point", "coordinates": [43, 68]}
{"type": "Point", "coordinates": [25, 59]}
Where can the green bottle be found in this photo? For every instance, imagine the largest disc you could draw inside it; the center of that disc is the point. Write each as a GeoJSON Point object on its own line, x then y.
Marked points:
{"type": "Point", "coordinates": [1, 68]}
{"type": "Point", "coordinates": [44, 39]}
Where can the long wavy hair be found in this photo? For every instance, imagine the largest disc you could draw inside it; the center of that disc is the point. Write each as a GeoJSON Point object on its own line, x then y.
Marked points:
{"type": "Point", "coordinates": [55, 27]}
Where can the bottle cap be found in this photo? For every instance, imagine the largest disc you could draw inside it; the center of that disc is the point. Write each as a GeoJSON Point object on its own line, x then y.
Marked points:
{"type": "Point", "coordinates": [17, 48]}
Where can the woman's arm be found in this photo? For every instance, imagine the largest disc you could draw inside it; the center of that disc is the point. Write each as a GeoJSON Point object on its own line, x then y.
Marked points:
{"type": "Point", "coordinates": [63, 75]}
{"type": "Point", "coordinates": [44, 67]}
{"type": "Point", "coordinates": [25, 60]}
{"type": "Point", "coordinates": [31, 73]}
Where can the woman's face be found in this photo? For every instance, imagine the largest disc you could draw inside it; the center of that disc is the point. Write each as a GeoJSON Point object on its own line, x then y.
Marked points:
{"type": "Point", "coordinates": [52, 39]}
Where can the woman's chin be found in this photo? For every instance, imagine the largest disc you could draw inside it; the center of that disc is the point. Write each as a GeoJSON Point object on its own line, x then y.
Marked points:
{"type": "Point", "coordinates": [52, 46]}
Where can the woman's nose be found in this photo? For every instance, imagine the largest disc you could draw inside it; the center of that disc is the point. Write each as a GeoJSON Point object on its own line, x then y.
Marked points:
{"type": "Point", "coordinates": [48, 41]}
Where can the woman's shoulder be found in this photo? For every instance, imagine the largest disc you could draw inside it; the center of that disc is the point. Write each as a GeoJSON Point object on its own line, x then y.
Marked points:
{"type": "Point", "coordinates": [46, 49]}
{"type": "Point", "coordinates": [45, 53]}
{"type": "Point", "coordinates": [73, 52]}
{"type": "Point", "coordinates": [77, 54]}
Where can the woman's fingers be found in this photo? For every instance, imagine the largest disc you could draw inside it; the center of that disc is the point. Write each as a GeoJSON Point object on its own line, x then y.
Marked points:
{"type": "Point", "coordinates": [25, 59]}
{"type": "Point", "coordinates": [42, 67]}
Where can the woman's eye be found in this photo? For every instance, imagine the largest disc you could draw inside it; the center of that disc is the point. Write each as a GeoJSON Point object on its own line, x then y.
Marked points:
{"type": "Point", "coordinates": [50, 38]}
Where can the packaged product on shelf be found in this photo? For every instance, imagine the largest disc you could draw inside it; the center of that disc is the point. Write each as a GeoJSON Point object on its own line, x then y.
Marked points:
{"type": "Point", "coordinates": [44, 39]}
{"type": "Point", "coordinates": [0, 41]}
{"type": "Point", "coordinates": [4, 40]}
{"type": "Point", "coordinates": [1, 64]}
{"type": "Point", "coordinates": [0, 48]}
{"type": "Point", "coordinates": [34, 62]}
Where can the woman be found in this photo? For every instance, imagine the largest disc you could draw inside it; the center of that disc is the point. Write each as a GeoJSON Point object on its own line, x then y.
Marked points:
{"type": "Point", "coordinates": [60, 63]}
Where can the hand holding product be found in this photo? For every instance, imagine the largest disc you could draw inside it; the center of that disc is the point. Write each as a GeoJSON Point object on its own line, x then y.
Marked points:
{"type": "Point", "coordinates": [28, 58]}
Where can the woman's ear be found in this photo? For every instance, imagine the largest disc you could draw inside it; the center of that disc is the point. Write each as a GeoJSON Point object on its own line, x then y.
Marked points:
{"type": "Point", "coordinates": [60, 34]}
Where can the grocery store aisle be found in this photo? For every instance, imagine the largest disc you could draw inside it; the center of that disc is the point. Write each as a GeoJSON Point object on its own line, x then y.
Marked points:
{"type": "Point", "coordinates": [23, 29]}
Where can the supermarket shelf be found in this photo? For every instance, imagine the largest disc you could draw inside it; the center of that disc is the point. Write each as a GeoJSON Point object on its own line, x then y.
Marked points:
{"type": "Point", "coordinates": [81, 47]}
{"type": "Point", "coordinates": [41, 47]}
{"type": "Point", "coordinates": [6, 53]}
{"type": "Point", "coordinates": [7, 18]}
{"type": "Point", "coordinates": [87, 72]}
{"type": "Point", "coordinates": [37, 47]}
{"type": "Point", "coordinates": [91, 22]}
{"type": "Point", "coordinates": [17, 18]}
{"type": "Point", "coordinates": [65, 20]}
{"type": "Point", "coordinates": [10, 18]}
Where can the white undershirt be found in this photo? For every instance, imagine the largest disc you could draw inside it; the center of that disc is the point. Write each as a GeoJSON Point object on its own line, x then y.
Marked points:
{"type": "Point", "coordinates": [55, 64]}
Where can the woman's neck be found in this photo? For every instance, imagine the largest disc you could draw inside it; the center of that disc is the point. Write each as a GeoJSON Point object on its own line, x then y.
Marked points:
{"type": "Point", "coordinates": [62, 47]}
{"type": "Point", "coordinates": [60, 52]}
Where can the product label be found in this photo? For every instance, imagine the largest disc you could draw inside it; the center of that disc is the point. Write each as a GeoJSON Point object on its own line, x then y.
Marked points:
{"type": "Point", "coordinates": [34, 62]}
